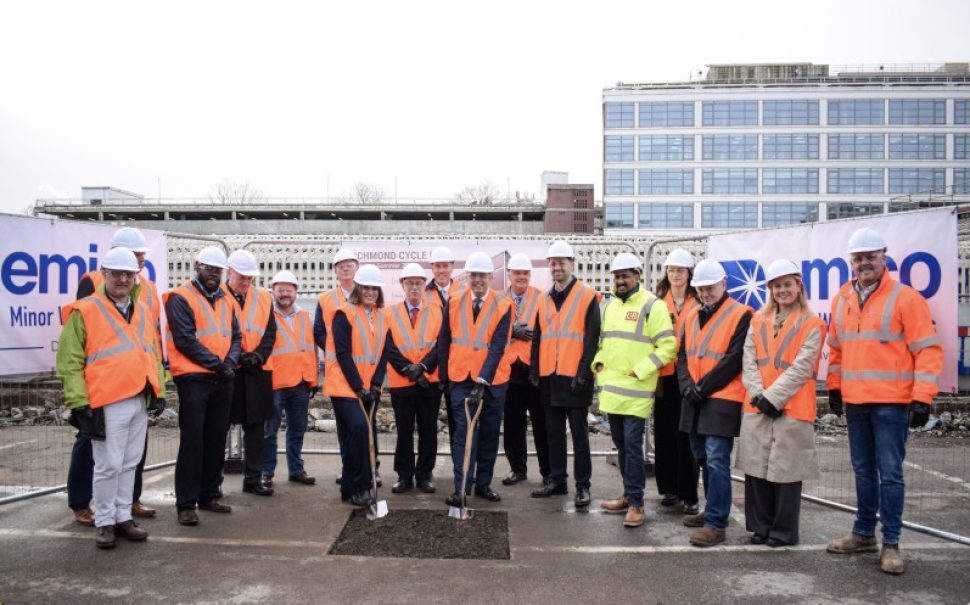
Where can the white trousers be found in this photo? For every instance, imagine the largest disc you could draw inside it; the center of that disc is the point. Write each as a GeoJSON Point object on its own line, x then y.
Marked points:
{"type": "Point", "coordinates": [116, 458]}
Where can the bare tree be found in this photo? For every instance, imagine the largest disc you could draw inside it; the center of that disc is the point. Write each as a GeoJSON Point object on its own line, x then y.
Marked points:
{"type": "Point", "coordinates": [483, 194]}
{"type": "Point", "coordinates": [236, 193]}
{"type": "Point", "coordinates": [365, 193]}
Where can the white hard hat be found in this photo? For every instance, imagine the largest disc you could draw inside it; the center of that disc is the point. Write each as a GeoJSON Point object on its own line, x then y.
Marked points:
{"type": "Point", "coordinates": [442, 254]}
{"type": "Point", "coordinates": [131, 238]}
{"type": "Point", "coordinates": [285, 277]}
{"type": "Point", "coordinates": [560, 249]}
{"type": "Point", "coordinates": [519, 262]}
{"type": "Point", "coordinates": [865, 239]}
{"type": "Point", "coordinates": [244, 263]}
{"type": "Point", "coordinates": [626, 260]}
{"type": "Point", "coordinates": [369, 275]}
{"type": "Point", "coordinates": [212, 256]}
{"type": "Point", "coordinates": [707, 272]}
{"type": "Point", "coordinates": [479, 262]}
{"type": "Point", "coordinates": [679, 258]}
{"type": "Point", "coordinates": [413, 270]}
{"type": "Point", "coordinates": [344, 254]}
{"type": "Point", "coordinates": [780, 268]}
{"type": "Point", "coordinates": [121, 259]}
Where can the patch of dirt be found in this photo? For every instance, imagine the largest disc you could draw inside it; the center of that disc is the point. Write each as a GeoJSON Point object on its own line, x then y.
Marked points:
{"type": "Point", "coordinates": [425, 534]}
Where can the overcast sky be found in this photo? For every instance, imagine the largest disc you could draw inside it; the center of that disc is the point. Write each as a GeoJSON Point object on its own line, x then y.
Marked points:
{"type": "Point", "coordinates": [440, 95]}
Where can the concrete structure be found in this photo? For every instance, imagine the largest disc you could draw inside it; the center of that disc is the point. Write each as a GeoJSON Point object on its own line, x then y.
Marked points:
{"type": "Point", "coordinates": [764, 145]}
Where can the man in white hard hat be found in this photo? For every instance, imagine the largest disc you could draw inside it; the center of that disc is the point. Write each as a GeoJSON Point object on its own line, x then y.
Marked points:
{"type": "Point", "coordinates": [475, 330]}
{"type": "Point", "coordinates": [564, 343]}
{"type": "Point", "coordinates": [109, 386]}
{"type": "Point", "coordinates": [252, 393]}
{"type": "Point", "coordinates": [81, 470]}
{"type": "Point", "coordinates": [204, 343]}
{"type": "Point", "coordinates": [884, 362]}
{"type": "Point", "coordinates": [442, 266]}
{"type": "Point", "coordinates": [295, 364]}
{"type": "Point", "coordinates": [637, 341]}
{"type": "Point", "coordinates": [709, 373]}
{"type": "Point", "coordinates": [522, 400]}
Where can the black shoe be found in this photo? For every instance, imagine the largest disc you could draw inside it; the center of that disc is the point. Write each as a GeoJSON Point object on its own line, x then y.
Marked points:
{"type": "Point", "coordinates": [258, 489]}
{"type": "Point", "coordinates": [362, 498]}
{"type": "Point", "coordinates": [513, 477]}
{"type": "Point", "coordinates": [426, 486]}
{"type": "Point", "coordinates": [546, 481]}
{"type": "Point", "coordinates": [582, 497]}
{"type": "Point", "coordinates": [453, 500]}
{"type": "Point", "coordinates": [775, 543]}
{"type": "Point", "coordinates": [669, 500]}
{"type": "Point", "coordinates": [757, 539]}
{"type": "Point", "coordinates": [338, 480]}
{"type": "Point", "coordinates": [402, 486]}
{"type": "Point", "coordinates": [550, 490]}
{"type": "Point", "coordinates": [377, 477]}
{"type": "Point", "coordinates": [487, 493]}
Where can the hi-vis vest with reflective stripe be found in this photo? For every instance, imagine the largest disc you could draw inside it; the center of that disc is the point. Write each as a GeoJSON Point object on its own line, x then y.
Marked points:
{"type": "Point", "coordinates": [294, 355]}
{"type": "Point", "coordinates": [147, 294]}
{"type": "Point", "coordinates": [213, 328]}
{"type": "Point", "coordinates": [252, 317]}
{"type": "Point", "coordinates": [521, 350]}
{"type": "Point", "coordinates": [470, 340]}
{"type": "Point", "coordinates": [775, 353]}
{"type": "Point", "coordinates": [454, 291]}
{"type": "Point", "coordinates": [329, 302]}
{"type": "Point", "coordinates": [367, 345]}
{"type": "Point", "coordinates": [887, 352]}
{"type": "Point", "coordinates": [561, 341]}
{"type": "Point", "coordinates": [706, 346]}
{"type": "Point", "coordinates": [414, 343]}
{"type": "Point", "coordinates": [678, 320]}
{"type": "Point", "coordinates": [120, 356]}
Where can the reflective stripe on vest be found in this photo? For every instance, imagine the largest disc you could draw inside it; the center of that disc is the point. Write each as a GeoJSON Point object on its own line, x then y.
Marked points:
{"type": "Point", "coordinates": [291, 346]}
{"type": "Point", "coordinates": [404, 325]}
{"type": "Point", "coordinates": [883, 334]}
{"type": "Point", "coordinates": [637, 335]}
{"type": "Point", "coordinates": [371, 354]}
{"type": "Point", "coordinates": [702, 349]}
{"type": "Point", "coordinates": [565, 317]}
{"type": "Point", "coordinates": [465, 323]}
{"type": "Point", "coordinates": [126, 344]}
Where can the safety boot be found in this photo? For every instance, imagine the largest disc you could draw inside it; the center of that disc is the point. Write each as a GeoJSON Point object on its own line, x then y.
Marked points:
{"type": "Point", "coordinates": [852, 544]}
{"type": "Point", "coordinates": [618, 506]}
{"type": "Point", "coordinates": [634, 517]}
{"type": "Point", "coordinates": [890, 561]}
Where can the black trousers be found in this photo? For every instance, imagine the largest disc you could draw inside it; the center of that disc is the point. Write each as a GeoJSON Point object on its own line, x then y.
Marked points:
{"type": "Point", "coordinates": [772, 509]}
{"type": "Point", "coordinates": [676, 468]}
{"type": "Point", "coordinates": [556, 418]}
{"type": "Point", "coordinates": [80, 474]}
{"type": "Point", "coordinates": [450, 415]}
{"type": "Point", "coordinates": [252, 452]}
{"type": "Point", "coordinates": [412, 403]}
{"type": "Point", "coordinates": [203, 422]}
{"type": "Point", "coordinates": [522, 404]}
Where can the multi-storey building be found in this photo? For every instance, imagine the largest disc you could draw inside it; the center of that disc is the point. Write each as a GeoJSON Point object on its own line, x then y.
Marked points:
{"type": "Point", "coordinates": [769, 145]}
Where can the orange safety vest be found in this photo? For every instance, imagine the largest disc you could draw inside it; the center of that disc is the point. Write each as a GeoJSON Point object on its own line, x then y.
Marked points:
{"type": "Point", "coordinates": [367, 345]}
{"type": "Point", "coordinates": [775, 353]}
{"type": "Point", "coordinates": [471, 339]}
{"type": "Point", "coordinates": [887, 351]}
{"type": "Point", "coordinates": [454, 290]}
{"type": "Point", "coordinates": [253, 317]}
{"type": "Point", "coordinates": [120, 356]}
{"type": "Point", "coordinates": [526, 313]}
{"type": "Point", "coordinates": [706, 346]}
{"type": "Point", "coordinates": [213, 328]}
{"type": "Point", "coordinates": [414, 343]}
{"type": "Point", "coordinates": [561, 341]}
{"type": "Point", "coordinates": [294, 355]}
{"type": "Point", "coordinates": [678, 320]}
{"type": "Point", "coordinates": [147, 294]}
{"type": "Point", "coordinates": [329, 302]}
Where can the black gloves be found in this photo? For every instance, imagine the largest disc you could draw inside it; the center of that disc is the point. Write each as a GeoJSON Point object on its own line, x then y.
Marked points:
{"type": "Point", "coordinates": [693, 395]}
{"type": "Point", "coordinates": [313, 392]}
{"type": "Point", "coordinates": [156, 407]}
{"type": "Point", "coordinates": [835, 402]}
{"type": "Point", "coordinates": [521, 332]}
{"type": "Point", "coordinates": [423, 382]}
{"type": "Point", "coordinates": [764, 406]}
{"type": "Point", "coordinates": [226, 371]}
{"type": "Point", "coordinates": [413, 370]}
{"type": "Point", "coordinates": [89, 422]}
{"type": "Point", "coordinates": [478, 392]}
{"type": "Point", "coordinates": [250, 359]}
{"type": "Point", "coordinates": [578, 386]}
{"type": "Point", "coordinates": [534, 381]}
{"type": "Point", "coordinates": [375, 394]}
{"type": "Point", "coordinates": [366, 397]}
{"type": "Point", "coordinates": [919, 414]}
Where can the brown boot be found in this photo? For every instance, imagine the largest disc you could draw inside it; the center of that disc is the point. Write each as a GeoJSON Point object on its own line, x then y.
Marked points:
{"type": "Point", "coordinates": [706, 536]}
{"type": "Point", "coordinates": [853, 543]}
{"type": "Point", "coordinates": [613, 507]}
{"type": "Point", "coordinates": [105, 536]}
{"type": "Point", "coordinates": [129, 530]}
{"type": "Point", "coordinates": [140, 510]}
{"type": "Point", "coordinates": [85, 517]}
{"type": "Point", "coordinates": [694, 520]}
{"type": "Point", "coordinates": [890, 561]}
{"type": "Point", "coordinates": [634, 517]}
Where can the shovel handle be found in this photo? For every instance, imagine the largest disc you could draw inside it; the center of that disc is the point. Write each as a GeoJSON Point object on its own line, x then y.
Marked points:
{"type": "Point", "coordinates": [370, 441]}
{"type": "Point", "coordinates": [471, 421]}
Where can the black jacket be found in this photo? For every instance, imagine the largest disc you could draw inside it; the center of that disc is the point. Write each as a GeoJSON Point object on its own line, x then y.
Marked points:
{"type": "Point", "coordinates": [252, 395]}
{"type": "Point", "coordinates": [181, 322]}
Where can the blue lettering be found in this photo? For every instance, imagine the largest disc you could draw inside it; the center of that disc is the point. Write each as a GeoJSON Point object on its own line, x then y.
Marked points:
{"type": "Point", "coordinates": [93, 259]}
{"type": "Point", "coordinates": [936, 274]}
{"type": "Point", "coordinates": [151, 269]}
{"type": "Point", "coordinates": [10, 271]}
{"type": "Point", "coordinates": [824, 271]}
{"type": "Point", "coordinates": [22, 317]}
{"type": "Point", "coordinates": [62, 264]}
{"type": "Point", "coordinates": [24, 274]}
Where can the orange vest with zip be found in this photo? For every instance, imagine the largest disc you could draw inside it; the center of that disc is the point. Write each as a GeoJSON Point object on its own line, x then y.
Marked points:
{"type": "Point", "coordinates": [120, 356]}
{"type": "Point", "coordinates": [775, 353]}
{"type": "Point", "coordinates": [678, 320]}
{"type": "Point", "coordinates": [213, 328]}
{"type": "Point", "coordinates": [414, 343]}
{"type": "Point", "coordinates": [147, 294]}
{"type": "Point", "coordinates": [526, 313]}
{"type": "Point", "coordinates": [705, 347]}
{"type": "Point", "coordinates": [561, 341]}
{"type": "Point", "coordinates": [294, 355]}
{"type": "Point", "coordinates": [329, 302]}
{"type": "Point", "coordinates": [470, 339]}
{"type": "Point", "coordinates": [367, 344]}
{"type": "Point", "coordinates": [252, 317]}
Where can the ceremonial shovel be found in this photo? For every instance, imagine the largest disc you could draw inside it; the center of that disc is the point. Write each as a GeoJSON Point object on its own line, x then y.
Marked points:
{"type": "Point", "coordinates": [464, 513]}
{"type": "Point", "coordinates": [377, 508]}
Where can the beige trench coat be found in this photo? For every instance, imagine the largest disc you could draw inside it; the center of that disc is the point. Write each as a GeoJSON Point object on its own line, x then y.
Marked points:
{"type": "Point", "coordinates": [780, 450]}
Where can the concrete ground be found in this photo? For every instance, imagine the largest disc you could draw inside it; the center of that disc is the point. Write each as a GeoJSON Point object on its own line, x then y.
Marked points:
{"type": "Point", "coordinates": [275, 549]}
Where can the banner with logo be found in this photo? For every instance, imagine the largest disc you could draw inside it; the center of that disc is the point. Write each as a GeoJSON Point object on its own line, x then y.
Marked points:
{"type": "Point", "coordinates": [41, 264]}
{"type": "Point", "coordinates": [922, 251]}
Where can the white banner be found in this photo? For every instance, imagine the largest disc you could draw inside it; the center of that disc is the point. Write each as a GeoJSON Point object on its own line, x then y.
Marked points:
{"type": "Point", "coordinates": [41, 264]}
{"type": "Point", "coordinates": [392, 255]}
{"type": "Point", "coordinates": [922, 251]}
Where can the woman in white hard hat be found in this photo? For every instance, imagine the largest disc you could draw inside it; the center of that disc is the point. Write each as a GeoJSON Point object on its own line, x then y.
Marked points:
{"type": "Point", "coordinates": [355, 372]}
{"type": "Point", "coordinates": [776, 449]}
{"type": "Point", "coordinates": [677, 471]}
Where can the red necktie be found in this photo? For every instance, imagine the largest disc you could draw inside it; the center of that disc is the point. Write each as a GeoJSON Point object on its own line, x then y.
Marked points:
{"type": "Point", "coordinates": [414, 316]}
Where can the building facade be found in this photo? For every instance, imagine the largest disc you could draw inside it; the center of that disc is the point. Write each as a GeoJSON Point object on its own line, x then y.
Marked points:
{"type": "Point", "coordinates": [769, 145]}
{"type": "Point", "coordinates": [570, 209]}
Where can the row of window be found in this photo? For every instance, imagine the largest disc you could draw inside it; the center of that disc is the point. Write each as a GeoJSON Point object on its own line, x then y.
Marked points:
{"type": "Point", "coordinates": [719, 215]}
{"type": "Point", "coordinates": [784, 112]}
{"type": "Point", "coordinates": [902, 146]}
{"type": "Point", "coordinates": [782, 180]}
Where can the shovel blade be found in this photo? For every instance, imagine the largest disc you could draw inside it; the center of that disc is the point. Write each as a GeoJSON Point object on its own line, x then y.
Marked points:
{"type": "Point", "coordinates": [377, 510]}
{"type": "Point", "coordinates": [454, 512]}
{"type": "Point", "coordinates": [461, 513]}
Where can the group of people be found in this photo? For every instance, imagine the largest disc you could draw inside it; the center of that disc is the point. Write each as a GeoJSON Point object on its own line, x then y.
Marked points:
{"type": "Point", "coordinates": [707, 368]}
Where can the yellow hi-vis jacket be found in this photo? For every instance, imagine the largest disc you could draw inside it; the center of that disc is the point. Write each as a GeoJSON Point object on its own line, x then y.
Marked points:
{"type": "Point", "coordinates": [636, 335]}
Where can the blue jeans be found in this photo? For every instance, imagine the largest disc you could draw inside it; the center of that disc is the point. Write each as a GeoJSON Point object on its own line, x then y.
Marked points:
{"type": "Point", "coordinates": [627, 434]}
{"type": "Point", "coordinates": [714, 455]}
{"type": "Point", "coordinates": [877, 446]}
{"type": "Point", "coordinates": [293, 401]}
